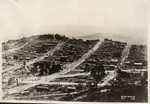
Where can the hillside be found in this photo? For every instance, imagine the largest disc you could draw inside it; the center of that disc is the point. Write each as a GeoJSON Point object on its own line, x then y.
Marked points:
{"type": "Point", "coordinates": [55, 67]}
{"type": "Point", "coordinates": [129, 39]}
{"type": "Point", "coordinates": [48, 47]}
{"type": "Point", "coordinates": [33, 43]}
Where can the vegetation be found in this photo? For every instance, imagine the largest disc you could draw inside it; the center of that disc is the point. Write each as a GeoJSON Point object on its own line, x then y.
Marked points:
{"type": "Point", "coordinates": [98, 73]}
{"type": "Point", "coordinates": [44, 68]}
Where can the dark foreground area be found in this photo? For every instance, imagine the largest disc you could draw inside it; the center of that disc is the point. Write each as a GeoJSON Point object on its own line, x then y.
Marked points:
{"type": "Point", "coordinates": [122, 94]}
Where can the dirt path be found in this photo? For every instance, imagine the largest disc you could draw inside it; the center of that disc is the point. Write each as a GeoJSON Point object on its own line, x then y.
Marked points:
{"type": "Point", "coordinates": [125, 53]}
{"type": "Point", "coordinates": [106, 81]}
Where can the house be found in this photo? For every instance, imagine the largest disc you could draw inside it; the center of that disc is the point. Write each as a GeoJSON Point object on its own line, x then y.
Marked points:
{"type": "Point", "coordinates": [16, 57]}
{"type": "Point", "coordinates": [28, 58]}
{"type": "Point", "coordinates": [106, 67]}
{"type": "Point", "coordinates": [71, 89]}
{"type": "Point", "coordinates": [138, 64]}
{"type": "Point", "coordinates": [112, 67]}
{"type": "Point", "coordinates": [63, 59]}
{"type": "Point", "coordinates": [91, 60]}
{"type": "Point", "coordinates": [114, 60]}
{"type": "Point", "coordinates": [46, 57]}
{"type": "Point", "coordinates": [21, 58]}
{"type": "Point", "coordinates": [42, 88]}
{"type": "Point", "coordinates": [127, 62]}
{"type": "Point", "coordinates": [109, 67]}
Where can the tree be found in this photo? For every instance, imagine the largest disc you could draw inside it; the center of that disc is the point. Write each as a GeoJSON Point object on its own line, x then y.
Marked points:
{"type": "Point", "coordinates": [144, 78]}
{"type": "Point", "coordinates": [55, 68]}
{"type": "Point", "coordinates": [87, 68]}
{"type": "Point", "coordinates": [79, 87]}
{"type": "Point", "coordinates": [98, 72]}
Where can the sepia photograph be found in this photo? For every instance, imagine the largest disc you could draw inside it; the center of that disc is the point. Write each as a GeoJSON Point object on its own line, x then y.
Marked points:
{"type": "Point", "coordinates": [77, 51]}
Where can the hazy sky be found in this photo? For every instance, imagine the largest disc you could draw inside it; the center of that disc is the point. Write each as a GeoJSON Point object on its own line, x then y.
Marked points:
{"type": "Point", "coordinates": [20, 18]}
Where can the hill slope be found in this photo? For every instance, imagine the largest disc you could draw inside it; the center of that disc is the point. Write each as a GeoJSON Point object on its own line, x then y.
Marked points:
{"type": "Point", "coordinates": [116, 37]}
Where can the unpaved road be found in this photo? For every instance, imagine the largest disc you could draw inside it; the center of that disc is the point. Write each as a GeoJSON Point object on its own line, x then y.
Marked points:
{"type": "Point", "coordinates": [125, 53]}
{"type": "Point", "coordinates": [35, 79]}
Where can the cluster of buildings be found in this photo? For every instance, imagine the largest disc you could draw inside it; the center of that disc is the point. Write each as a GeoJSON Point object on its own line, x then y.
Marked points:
{"type": "Point", "coordinates": [137, 58]}
{"type": "Point", "coordinates": [109, 53]}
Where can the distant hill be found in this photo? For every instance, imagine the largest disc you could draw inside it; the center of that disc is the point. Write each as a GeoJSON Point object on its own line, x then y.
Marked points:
{"type": "Point", "coordinates": [115, 37]}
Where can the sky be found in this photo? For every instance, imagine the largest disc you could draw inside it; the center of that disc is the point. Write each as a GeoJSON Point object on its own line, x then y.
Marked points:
{"type": "Point", "coordinates": [73, 18]}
